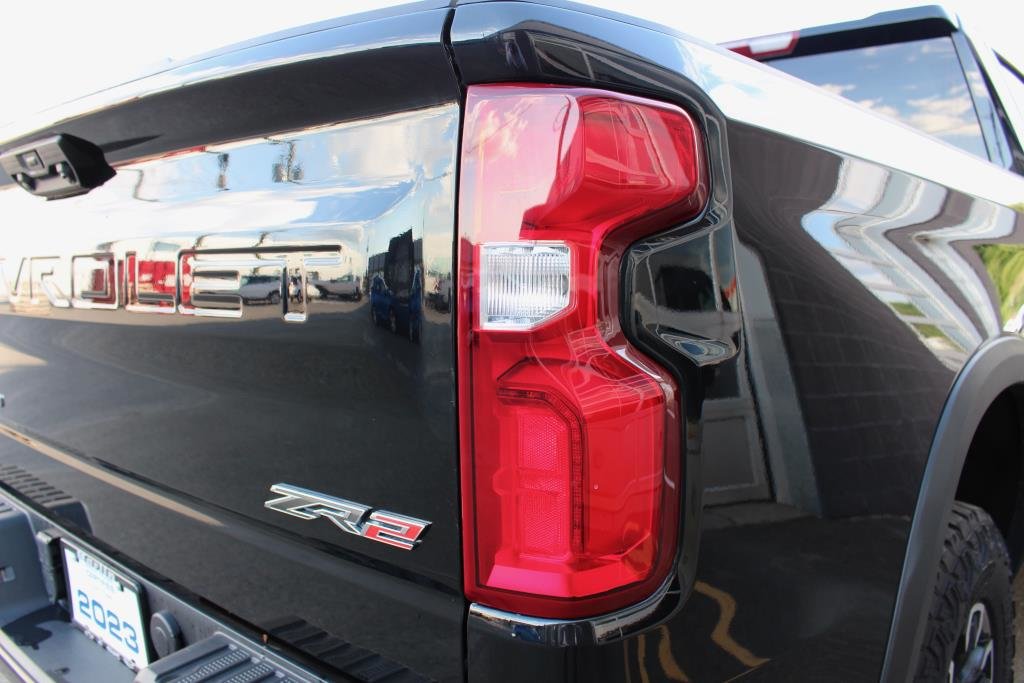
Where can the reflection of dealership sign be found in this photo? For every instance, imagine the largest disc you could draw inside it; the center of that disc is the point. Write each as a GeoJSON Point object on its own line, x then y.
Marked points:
{"type": "Point", "coordinates": [199, 283]}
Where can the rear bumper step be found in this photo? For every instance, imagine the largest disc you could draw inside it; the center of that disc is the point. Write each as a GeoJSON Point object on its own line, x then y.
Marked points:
{"type": "Point", "coordinates": [223, 659]}
{"type": "Point", "coordinates": [39, 642]}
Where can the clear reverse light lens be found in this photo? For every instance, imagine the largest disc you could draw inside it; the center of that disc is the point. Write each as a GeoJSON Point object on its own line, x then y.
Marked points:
{"type": "Point", "coordinates": [522, 284]}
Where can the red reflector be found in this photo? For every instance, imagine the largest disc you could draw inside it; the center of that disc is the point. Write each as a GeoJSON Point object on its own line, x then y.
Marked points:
{"type": "Point", "coordinates": [765, 47]}
{"type": "Point", "coordinates": [570, 437]}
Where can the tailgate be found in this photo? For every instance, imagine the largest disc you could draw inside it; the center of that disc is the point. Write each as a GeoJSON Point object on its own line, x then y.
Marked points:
{"type": "Point", "coordinates": [256, 308]}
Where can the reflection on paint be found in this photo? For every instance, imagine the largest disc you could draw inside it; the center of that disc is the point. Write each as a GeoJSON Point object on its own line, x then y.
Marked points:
{"type": "Point", "coordinates": [319, 216]}
{"type": "Point", "coordinates": [1005, 265]}
{"type": "Point", "coordinates": [919, 82]}
{"type": "Point", "coordinates": [893, 234]}
{"type": "Point", "coordinates": [721, 635]}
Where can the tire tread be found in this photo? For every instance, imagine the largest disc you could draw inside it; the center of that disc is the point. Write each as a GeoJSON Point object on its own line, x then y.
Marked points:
{"type": "Point", "coordinates": [973, 548]}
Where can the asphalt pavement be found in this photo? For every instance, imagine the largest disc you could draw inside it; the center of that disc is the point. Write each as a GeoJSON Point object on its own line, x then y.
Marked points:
{"type": "Point", "coordinates": [1018, 660]}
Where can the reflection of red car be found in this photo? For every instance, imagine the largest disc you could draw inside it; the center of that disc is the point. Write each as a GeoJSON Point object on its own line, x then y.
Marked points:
{"type": "Point", "coordinates": [156, 276]}
{"type": "Point", "coordinates": [152, 281]}
{"type": "Point", "coordinates": [102, 288]}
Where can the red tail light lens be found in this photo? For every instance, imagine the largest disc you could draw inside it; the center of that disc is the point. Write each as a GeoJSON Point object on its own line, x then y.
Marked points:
{"type": "Point", "coordinates": [569, 436]}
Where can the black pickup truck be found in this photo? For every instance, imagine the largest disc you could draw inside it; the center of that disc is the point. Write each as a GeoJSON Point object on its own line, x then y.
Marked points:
{"type": "Point", "coordinates": [654, 362]}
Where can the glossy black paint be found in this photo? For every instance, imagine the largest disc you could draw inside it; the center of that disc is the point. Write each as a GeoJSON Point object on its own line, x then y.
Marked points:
{"type": "Point", "coordinates": [811, 390]}
{"type": "Point", "coordinates": [170, 426]}
{"type": "Point", "coordinates": [849, 378]}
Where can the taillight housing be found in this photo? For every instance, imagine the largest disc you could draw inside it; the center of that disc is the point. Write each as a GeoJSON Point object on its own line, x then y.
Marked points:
{"type": "Point", "coordinates": [569, 436]}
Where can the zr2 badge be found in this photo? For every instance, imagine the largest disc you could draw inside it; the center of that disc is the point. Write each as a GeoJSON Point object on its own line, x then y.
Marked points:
{"type": "Point", "coordinates": [353, 518]}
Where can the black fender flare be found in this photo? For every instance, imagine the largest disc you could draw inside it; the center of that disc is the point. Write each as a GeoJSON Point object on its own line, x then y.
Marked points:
{"type": "Point", "coordinates": [995, 366]}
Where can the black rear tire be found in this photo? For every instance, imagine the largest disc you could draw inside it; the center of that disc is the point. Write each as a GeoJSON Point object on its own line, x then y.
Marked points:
{"type": "Point", "coordinates": [972, 591]}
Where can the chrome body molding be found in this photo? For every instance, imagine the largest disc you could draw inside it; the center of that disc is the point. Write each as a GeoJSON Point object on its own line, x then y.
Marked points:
{"type": "Point", "coordinates": [596, 630]}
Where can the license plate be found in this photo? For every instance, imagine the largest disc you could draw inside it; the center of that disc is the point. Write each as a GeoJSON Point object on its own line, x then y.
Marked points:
{"type": "Point", "coordinates": [106, 604]}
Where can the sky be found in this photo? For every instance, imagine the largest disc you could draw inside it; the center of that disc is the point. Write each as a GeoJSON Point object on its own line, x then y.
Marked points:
{"type": "Point", "coordinates": [97, 44]}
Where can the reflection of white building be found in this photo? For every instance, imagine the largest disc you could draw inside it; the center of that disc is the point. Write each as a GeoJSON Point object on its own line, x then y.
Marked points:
{"type": "Point", "coordinates": [985, 223]}
{"type": "Point", "coordinates": [861, 226]}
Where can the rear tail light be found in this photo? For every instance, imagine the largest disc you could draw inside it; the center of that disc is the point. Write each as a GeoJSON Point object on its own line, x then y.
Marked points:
{"type": "Point", "coordinates": [570, 438]}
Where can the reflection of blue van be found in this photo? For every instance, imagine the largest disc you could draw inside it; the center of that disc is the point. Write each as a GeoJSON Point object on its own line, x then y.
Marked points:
{"type": "Point", "coordinates": [396, 294]}
{"type": "Point", "coordinates": [380, 303]}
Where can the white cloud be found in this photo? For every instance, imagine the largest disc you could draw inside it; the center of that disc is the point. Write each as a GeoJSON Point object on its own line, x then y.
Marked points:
{"type": "Point", "coordinates": [837, 89]}
{"type": "Point", "coordinates": [936, 47]}
{"type": "Point", "coordinates": [877, 106]}
{"type": "Point", "coordinates": [938, 115]}
{"type": "Point", "coordinates": [951, 115]}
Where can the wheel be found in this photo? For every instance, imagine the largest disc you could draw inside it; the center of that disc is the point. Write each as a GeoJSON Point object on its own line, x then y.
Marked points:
{"type": "Point", "coordinates": [393, 321]}
{"type": "Point", "coordinates": [970, 636]}
{"type": "Point", "coordinates": [275, 297]}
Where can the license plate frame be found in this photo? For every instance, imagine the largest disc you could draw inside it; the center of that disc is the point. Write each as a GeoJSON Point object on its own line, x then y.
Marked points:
{"type": "Point", "coordinates": [106, 604]}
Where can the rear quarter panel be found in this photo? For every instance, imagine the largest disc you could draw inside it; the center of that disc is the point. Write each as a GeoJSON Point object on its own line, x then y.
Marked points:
{"type": "Point", "coordinates": [844, 272]}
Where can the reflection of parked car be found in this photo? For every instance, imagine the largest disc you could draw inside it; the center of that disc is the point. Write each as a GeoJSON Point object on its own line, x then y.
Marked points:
{"type": "Point", "coordinates": [380, 303]}
{"type": "Point", "coordinates": [396, 294]}
{"type": "Point", "coordinates": [388, 309]}
{"type": "Point", "coordinates": [344, 287]}
{"type": "Point", "coordinates": [266, 288]}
